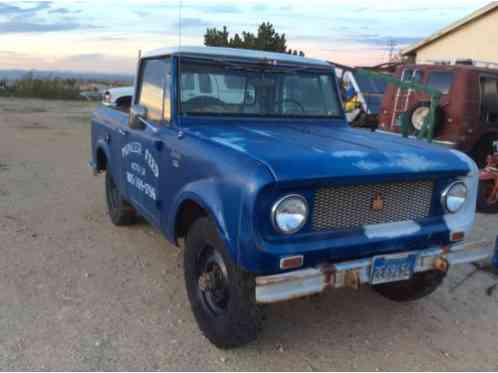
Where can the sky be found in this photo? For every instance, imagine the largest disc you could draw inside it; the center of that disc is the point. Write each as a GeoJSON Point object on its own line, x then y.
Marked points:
{"type": "Point", "coordinates": [106, 35]}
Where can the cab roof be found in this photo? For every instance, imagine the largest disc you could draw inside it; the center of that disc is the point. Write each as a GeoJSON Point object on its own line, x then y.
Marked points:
{"type": "Point", "coordinates": [234, 54]}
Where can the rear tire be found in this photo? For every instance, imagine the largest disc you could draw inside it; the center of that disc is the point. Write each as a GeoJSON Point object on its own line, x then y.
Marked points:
{"type": "Point", "coordinates": [483, 205]}
{"type": "Point", "coordinates": [120, 211]}
{"type": "Point", "coordinates": [418, 287]}
{"type": "Point", "coordinates": [222, 295]}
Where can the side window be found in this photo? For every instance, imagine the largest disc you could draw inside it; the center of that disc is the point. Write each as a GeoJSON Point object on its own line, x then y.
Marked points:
{"type": "Point", "coordinates": [155, 89]}
{"type": "Point", "coordinates": [441, 80]}
{"type": "Point", "coordinates": [407, 75]}
{"type": "Point", "coordinates": [417, 76]}
{"type": "Point", "coordinates": [489, 99]}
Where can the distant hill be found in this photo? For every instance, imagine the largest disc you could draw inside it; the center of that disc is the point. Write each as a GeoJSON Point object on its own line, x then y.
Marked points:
{"type": "Point", "coordinates": [82, 76]}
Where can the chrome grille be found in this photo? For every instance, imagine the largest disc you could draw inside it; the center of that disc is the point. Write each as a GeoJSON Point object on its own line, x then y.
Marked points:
{"type": "Point", "coordinates": [346, 208]}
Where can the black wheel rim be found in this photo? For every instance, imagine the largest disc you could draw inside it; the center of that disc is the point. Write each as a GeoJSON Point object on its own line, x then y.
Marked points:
{"type": "Point", "coordinates": [212, 282]}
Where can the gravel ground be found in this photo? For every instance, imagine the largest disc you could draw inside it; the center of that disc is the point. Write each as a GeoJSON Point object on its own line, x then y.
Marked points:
{"type": "Point", "coordinates": [77, 293]}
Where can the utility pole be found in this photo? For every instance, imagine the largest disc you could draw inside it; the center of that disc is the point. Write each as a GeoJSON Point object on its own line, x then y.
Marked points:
{"type": "Point", "coordinates": [391, 45]}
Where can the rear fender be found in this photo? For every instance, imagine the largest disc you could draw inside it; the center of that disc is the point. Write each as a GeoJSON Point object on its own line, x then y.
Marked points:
{"type": "Point", "coordinates": [102, 146]}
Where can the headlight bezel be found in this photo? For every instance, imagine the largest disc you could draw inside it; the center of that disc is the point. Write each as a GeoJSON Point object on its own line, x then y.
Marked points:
{"type": "Point", "coordinates": [446, 194]}
{"type": "Point", "coordinates": [278, 204]}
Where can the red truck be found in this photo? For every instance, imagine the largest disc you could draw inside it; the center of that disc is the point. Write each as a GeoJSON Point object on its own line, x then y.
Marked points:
{"type": "Point", "coordinates": [467, 118]}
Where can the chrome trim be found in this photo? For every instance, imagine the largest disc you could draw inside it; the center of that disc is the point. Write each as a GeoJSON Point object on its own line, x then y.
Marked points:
{"type": "Point", "coordinates": [274, 212]}
{"type": "Point", "coordinates": [308, 281]}
{"type": "Point", "coordinates": [444, 195]}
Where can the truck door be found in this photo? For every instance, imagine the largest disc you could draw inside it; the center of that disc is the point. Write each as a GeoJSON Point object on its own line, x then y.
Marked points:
{"type": "Point", "coordinates": [142, 153]}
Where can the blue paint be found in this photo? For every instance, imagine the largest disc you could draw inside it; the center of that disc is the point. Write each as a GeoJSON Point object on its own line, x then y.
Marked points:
{"type": "Point", "coordinates": [236, 168]}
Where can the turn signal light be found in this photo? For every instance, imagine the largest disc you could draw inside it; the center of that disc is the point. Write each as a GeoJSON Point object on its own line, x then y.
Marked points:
{"type": "Point", "coordinates": [292, 262]}
{"type": "Point", "coordinates": [457, 236]}
{"type": "Point", "coordinates": [441, 265]}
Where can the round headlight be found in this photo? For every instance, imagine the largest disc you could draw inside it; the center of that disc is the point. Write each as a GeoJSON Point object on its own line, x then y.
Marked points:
{"type": "Point", "coordinates": [454, 197]}
{"type": "Point", "coordinates": [289, 214]}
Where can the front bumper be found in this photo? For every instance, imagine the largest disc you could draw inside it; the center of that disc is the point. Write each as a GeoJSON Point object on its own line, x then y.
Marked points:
{"type": "Point", "coordinates": [300, 283]}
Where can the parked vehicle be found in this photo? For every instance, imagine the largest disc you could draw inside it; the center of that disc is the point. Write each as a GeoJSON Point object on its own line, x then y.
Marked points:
{"type": "Point", "coordinates": [487, 200]}
{"type": "Point", "coordinates": [119, 98]}
{"type": "Point", "coordinates": [468, 114]}
{"type": "Point", "coordinates": [362, 96]}
{"type": "Point", "coordinates": [274, 196]}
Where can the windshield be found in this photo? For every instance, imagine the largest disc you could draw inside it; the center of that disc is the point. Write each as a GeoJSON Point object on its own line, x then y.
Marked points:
{"type": "Point", "coordinates": [370, 85]}
{"type": "Point", "coordinates": [245, 90]}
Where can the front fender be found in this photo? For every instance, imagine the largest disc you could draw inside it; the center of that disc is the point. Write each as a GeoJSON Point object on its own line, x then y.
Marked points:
{"type": "Point", "coordinates": [230, 202]}
{"type": "Point", "coordinates": [211, 197]}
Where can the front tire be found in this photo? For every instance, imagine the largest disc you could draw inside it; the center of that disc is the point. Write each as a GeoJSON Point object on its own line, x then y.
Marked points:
{"type": "Point", "coordinates": [483, 204]}
{"type": "Point", "coordinates": [120, 211]}
{"type": "Point", "coordinates": [418, 287]}
{"type": "Point", "coordinates": [222, 295]}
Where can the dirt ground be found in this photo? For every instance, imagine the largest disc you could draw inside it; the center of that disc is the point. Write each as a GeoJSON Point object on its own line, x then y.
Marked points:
{"type": "Point", "coordinates": [77, 293]}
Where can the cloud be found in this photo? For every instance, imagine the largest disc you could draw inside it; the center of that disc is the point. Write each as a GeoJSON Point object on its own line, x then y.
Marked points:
{"type": "Point", "coordinates": [192, 23]}
{"type": "Point", "coordinates": [97, 62]}
{"type": "Point", "coordinates": [141, 13]}
{"type": "Point", "coordinates": [11, 27]}
{"type": "Point", "coordinates": [219, 8]}
{"type": "Point", "coordinates": [36, 6]}
{"type": "Point", "coordinates": [260, 7]}
{"type": "Point", "coordinates": [377, 40]}
{"type": "Point", "coordinates": [60, 11]}
{"type": "Point", "coordinates": [216, 8]}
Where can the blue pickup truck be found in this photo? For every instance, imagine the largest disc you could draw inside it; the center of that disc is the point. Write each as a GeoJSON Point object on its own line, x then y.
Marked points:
{"type": "Point", "coordinates": [245, 160]}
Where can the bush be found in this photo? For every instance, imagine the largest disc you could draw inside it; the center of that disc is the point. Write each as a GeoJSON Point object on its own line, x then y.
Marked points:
{"type": "Point", "coordinates": [57, 89]}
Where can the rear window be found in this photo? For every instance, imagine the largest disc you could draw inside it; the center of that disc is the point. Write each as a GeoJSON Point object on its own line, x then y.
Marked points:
{"type": "Point", "coordinates": [441, 80]}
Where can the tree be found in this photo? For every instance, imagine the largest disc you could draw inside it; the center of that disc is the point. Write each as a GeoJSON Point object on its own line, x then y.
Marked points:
{"type": "Point", "coordinates": [266, 39]}
{"type": "Point", "coordinates": [216, 38]}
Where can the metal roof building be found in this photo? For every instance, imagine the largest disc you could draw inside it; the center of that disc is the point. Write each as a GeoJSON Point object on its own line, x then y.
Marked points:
{"type": "Point", "coordinates": [473, 37]}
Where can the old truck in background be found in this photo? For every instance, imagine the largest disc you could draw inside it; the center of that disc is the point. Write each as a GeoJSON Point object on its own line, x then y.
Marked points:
{"type": "Point", "coordinates": [119, 98]}
{"type": "Point", "coordinates": [467, 117]}
{"type": "Point", "coordinates": [245, 159]}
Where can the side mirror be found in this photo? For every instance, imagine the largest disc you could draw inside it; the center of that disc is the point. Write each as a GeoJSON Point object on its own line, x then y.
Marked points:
{"type": "Point", "coordinates": [137, 113]}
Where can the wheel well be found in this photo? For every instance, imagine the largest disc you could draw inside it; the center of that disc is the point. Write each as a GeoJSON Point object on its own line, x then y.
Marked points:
{"type": "Point", "coordinates": [188, 213]}
{"type": "Point", "coordinates": [101, 160]}
{"type": "Point", "coordinates": [483, 148]}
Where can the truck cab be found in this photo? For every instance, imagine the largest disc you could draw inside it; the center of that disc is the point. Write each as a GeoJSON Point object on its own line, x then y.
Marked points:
{"type": "Point", "coordinates": [245, 160]}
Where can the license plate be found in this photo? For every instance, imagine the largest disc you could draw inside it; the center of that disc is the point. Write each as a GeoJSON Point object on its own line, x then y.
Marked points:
{"type": "Point", "coordinates": [392, 268]}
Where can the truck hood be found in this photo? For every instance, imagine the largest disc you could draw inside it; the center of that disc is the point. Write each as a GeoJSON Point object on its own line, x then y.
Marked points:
{"type": "Point", "coordinates": [310, 151]}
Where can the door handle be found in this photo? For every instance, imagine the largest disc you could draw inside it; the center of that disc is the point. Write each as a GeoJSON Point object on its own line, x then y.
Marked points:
{"type": "Point", "coordinates": [122, 132]}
